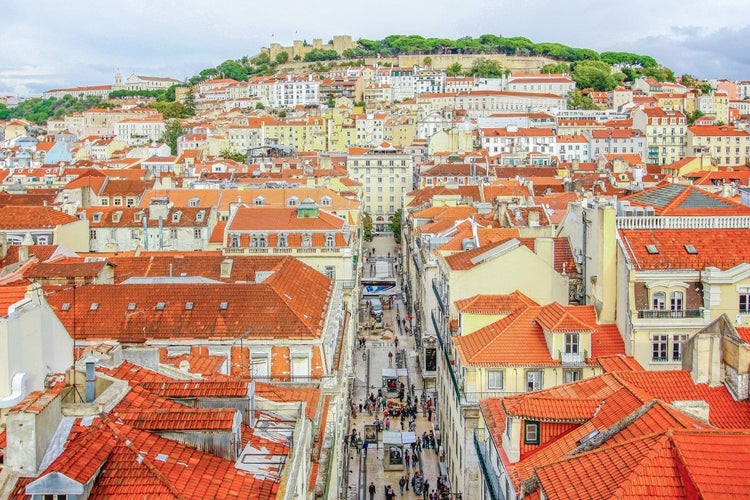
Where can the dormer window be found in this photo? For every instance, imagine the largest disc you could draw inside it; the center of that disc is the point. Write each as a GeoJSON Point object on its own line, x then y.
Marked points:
{"type": "Point", "coordinates": [234, 240]}
{"type": "Point", "coordinates": [259, 201]}
{"type": "Point", "coordinates": [531, 432]}
{"type": "Point", "coordinates": [138, 216]}
{"type": "Point", "coordinates": [259, 241]}
{"type": "Point", "coordinates": [193, 202]}
{"type": "Point", "coordinates": [326, 201]}
{"type": "Point", "coordinates": [293, 201]}
{"type": "Point", "coordinates": [330, 240]}
{"type": "Point", "coordinates": [176, 216]}
{"type": "Point", "coordinates": [283, 241]}
{"type": "Point", "coordinates": [307, 240]}
{"type": "Point", "coordinates": [571, 343]}
{"type": "Point", "coordinates": [97, 217]}
{"type": "Point", "coordinates": [116, 217]}
{"type": "Point", "coordinates": [200, 215]}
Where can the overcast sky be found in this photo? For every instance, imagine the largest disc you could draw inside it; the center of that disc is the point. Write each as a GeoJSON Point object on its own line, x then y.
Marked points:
{"type": "Point", "coordinates": [48, 44]}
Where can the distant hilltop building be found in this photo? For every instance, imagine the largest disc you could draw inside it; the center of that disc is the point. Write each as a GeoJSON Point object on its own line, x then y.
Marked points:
{"type": "Point", "coordinates": [133, 82]}
{"type": "Point", "coordinates": [94, 90]}
{"type": "Point", "coordinates": [140, 82]}
{"type": "Point", "coordinates": [300, 48]}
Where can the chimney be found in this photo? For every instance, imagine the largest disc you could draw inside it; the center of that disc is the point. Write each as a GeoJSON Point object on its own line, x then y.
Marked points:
{"type": "Point", "coordinates": [23, 253]}
{"type": "Point", "coordinates": [29, 431]}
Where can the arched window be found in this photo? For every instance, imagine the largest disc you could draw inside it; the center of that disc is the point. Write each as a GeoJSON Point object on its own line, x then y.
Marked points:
{"type": "Point", "coordinates": [675, 301]}
{"type": "Point", "coordinates": [330, 240]}
{"type": "Point", "coordinates": [283, 241]}
{"type": "Point", "coordinates": [259, 201]}
{"type": "Point", "coordinates": [659, 301]}
{"type": "Point", "coordinates": [307, 240]}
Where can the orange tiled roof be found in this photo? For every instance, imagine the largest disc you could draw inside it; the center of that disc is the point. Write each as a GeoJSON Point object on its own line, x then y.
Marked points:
{"type": "Point", "coordinates": [9, 295]}
{"type": "Point", "coordinates": [551, 409]}
{"type": "Point", "coordinates": [182, 419]}
{"type": "Point", "coordinates": [494, 304]}
{"type": "Point", "coordinates": [144, 464]}
{"type": "Point", "coordinates": [722, 248]}
{"type": "Point", "coordinates": [21, 217]}
{"type": "Point", "coordinates": [264, 219]}
{"type": "Point", "coordinates": [290, 303]}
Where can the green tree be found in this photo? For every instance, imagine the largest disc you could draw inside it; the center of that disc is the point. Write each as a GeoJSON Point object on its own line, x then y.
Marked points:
{"type": "Point", "coordinates": [238, 157]}
{"type": "Point", "coordinates": [234, 70]}
{"type": "Point", "coordinates": [691, 117]}
{"type": "Point", "coordinates": [172, 131]}
{"type": "Point", "coordinates": [555, 68]}
{"type": "Point", "coordinates": [486, 68]}
{"type": "Point", "coordinates": [454, 69]}
{"type": "Point", "coordinates": [427, 61]}
{"type": "Point", "coordinates": [579, 100]}
{"type": "Point", "coordinates": [190, 100]}
{"type": "Point", "coordinates": [259, 105]}
{"type": "Point", "coordinates": [4, 112]}
{"type": "Point", "coordinates": [595, 75]}
{"type": "Point", "coordinates": [396, 225]}
{"type": "Point", "coordinates": [282, 57]}
{"type": "Point", "coordinates": [367, 226]}
{"type": "Point", "coordinates": [172, 109]}
{"type": "Point", "coordinates": [321, 55]}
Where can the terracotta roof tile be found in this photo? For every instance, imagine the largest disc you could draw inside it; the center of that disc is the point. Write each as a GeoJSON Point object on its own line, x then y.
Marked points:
{"type": "Point", "coordinates": [15, 217]}
{"type": "Point", "coordinates": [722, 248]}
{"type": "Point", "coordinates": [291, 303]}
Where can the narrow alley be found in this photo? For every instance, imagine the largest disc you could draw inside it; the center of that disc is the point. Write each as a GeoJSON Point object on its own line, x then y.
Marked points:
{"type": "Point", "coordinates": [387, 371]}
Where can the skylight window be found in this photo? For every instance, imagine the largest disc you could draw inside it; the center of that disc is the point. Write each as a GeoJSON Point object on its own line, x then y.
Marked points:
{"type": "Point", "coordinates": [188, 306]}
{"type": "Point", "coordinates": [652, 249]}
{"type": "Point", "coordinates": [223, 305]}
{"type": "Point", "coordinates": [160, 306]}
{"type": "Point", "coordinates": [65, 306]}
{"type": "Point", "coordinates": [94, 306]}
{"type": "Point", "coordinates": [131, 306]}
{"type": "Point", "coordinates": [691, 250]}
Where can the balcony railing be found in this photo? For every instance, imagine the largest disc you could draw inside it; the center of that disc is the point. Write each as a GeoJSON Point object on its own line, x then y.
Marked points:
{"type": "Point", "coordinates": [436, 325]}
{"type": "Point", "coordinates": [454, 381]}
{"type": "Point", "coordinates": [439, 296]}
{"type": "Point", "coordinates": [664, 314]}
{"type": "Point", "coordinates": [490, 478]}
{"type": "Point", "coordinates": [572, 358]}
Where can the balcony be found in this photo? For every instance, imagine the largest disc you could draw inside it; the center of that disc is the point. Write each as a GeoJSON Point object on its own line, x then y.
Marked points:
{"type": "Point", "coordinates": [670, 314]}
{"type": "Point", "coordinates": [441, 299]}
{"type": "Point", "coordinates": [572, 358]}
{"type": "Point", "coordinates": [490, 478]}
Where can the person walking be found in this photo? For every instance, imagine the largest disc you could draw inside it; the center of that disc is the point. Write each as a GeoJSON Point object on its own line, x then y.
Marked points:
{"type": "Point", "coordinates": [364, 448]}
{"type": "Point", "coordinates": [407, 459]}
{"type": "Point", "coordinates": [401, 484]}
{"type": "Point", "coordinates": [371, 489]}
{"type": "Point", "coordinates": [390, 359]}
{"type": "Point", "coordinates": [425, 489]}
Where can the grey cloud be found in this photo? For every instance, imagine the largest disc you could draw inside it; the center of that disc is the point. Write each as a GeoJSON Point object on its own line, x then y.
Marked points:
{"type": "Point", "coordinates": [701, 52]}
